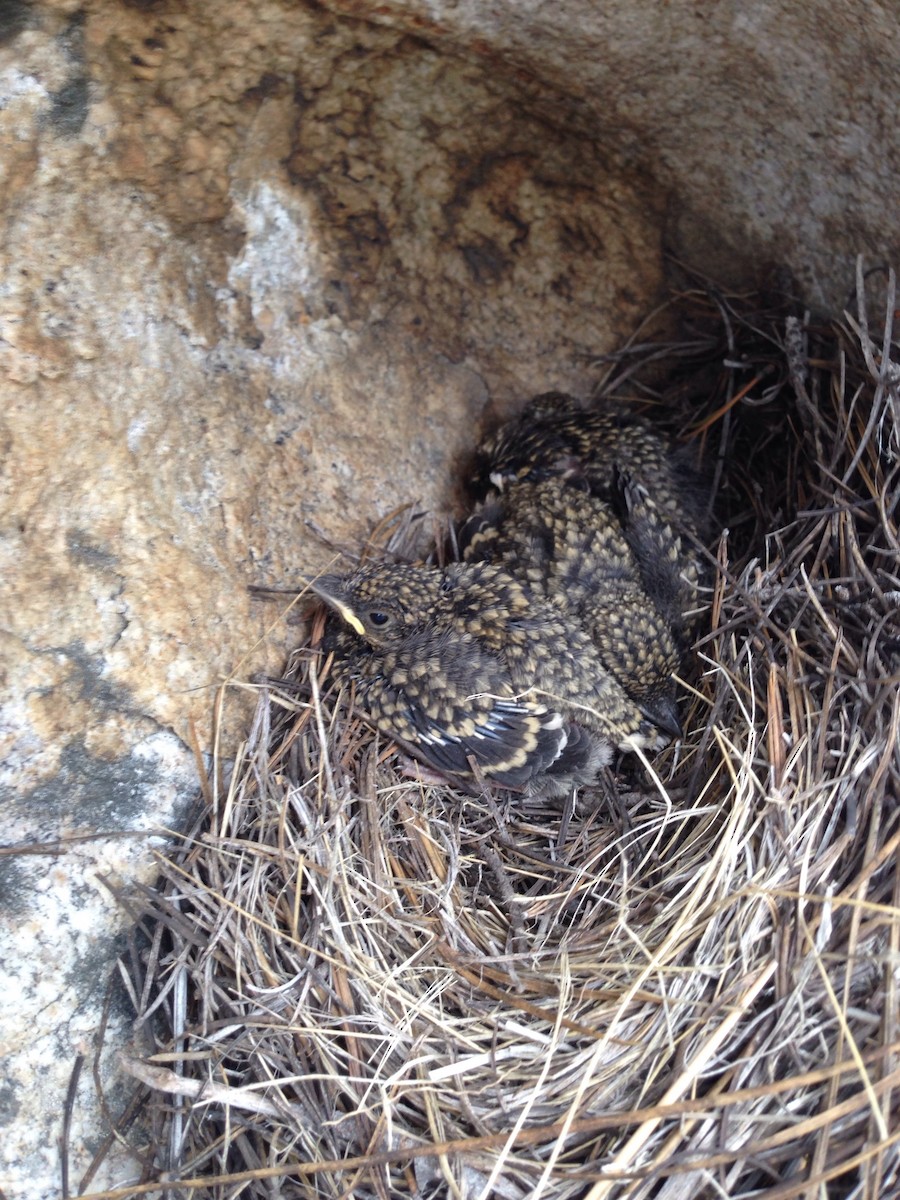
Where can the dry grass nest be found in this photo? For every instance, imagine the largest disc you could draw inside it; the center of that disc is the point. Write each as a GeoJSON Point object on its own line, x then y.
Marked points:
{"type": "Point", "coordinates": [681, 984]}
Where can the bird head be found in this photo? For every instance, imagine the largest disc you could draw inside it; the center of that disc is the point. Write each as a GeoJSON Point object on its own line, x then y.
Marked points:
{"type": "Point", "coordinates": [531, 447]}
{"type": "Point", "coordinates": [380, 603]}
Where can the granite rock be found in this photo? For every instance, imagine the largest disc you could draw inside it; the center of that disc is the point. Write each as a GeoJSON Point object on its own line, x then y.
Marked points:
{"type": "Point", "coordinates": [770, 127]}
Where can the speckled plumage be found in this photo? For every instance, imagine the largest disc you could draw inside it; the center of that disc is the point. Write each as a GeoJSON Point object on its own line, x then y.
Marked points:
{"type": "Point", "coordinates": [555, 436]}
{"type": "Point", "coordinates": [570, 549]}
{"type": "Point", "coordinates": [668, 567]}
{"type": "Point", "coordinates": [477, 676]}
{"type": "Point", "coordinates": [620, 459]}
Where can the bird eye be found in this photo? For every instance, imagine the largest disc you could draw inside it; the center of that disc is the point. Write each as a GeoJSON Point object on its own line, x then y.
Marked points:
{"type": "Point", "coordinates": [379, 618]}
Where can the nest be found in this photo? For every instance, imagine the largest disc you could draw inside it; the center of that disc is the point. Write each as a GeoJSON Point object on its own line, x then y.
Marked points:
{"type": "Point", "coordinates": [681, 984]}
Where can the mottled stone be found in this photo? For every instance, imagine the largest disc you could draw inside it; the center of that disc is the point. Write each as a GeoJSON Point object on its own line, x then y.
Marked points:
{"type": "Point", "coordinates": [771, 126]}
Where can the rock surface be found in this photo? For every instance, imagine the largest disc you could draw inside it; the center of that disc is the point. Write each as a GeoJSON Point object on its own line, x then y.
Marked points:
{"type": "Point", "coordinates": [770, 126]}
{"type": "Point", "coordinates": [264, 266]}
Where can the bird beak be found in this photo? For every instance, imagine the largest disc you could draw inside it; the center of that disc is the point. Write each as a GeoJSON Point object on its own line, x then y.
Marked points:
{"type": "Point", "coordinates": [331, 589]}
{"type": "Point", "coordinates": [664, 715]}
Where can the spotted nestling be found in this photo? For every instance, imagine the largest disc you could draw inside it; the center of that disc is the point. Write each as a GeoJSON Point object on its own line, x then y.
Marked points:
{"type": "Point", "coordinates": [622, 460]}
{"type": "Point", "coordinates": [554, 435]}
{"type": "Point", "coordinates": [569, 548]}
{"type": "Point", "coordinates": [469, 670]}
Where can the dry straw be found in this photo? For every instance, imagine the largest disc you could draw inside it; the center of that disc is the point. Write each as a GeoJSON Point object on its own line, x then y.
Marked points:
{"type": "Point", "coordinates": [683, 985]}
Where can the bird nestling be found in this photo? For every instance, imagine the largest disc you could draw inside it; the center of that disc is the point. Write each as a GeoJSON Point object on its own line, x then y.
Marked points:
{"type": "Point", "coordinates": [554, 436]}
{"type": "Point", "coordinates": [465, 667]}
{"type": "Point", "coordinates": [621, 460]}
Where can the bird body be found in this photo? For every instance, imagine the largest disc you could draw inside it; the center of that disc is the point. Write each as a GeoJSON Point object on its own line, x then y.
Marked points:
{"type": "Point", "coordinates": [618, 458]}
{"type": "Point", "coordinates": [554, 436]}
{"type": "Point", "coordinates": [472, 671]}
{"type": "Point", "coordinates": [570, 548]}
